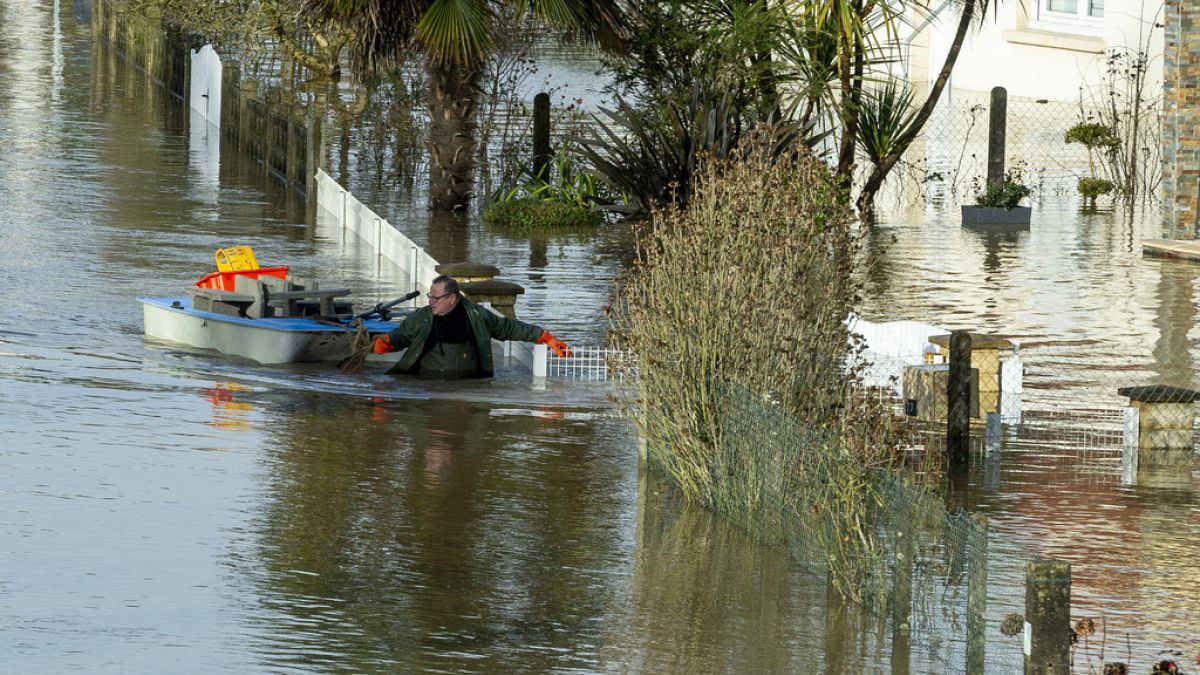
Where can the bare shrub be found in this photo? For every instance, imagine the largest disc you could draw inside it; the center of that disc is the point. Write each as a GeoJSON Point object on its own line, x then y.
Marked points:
{"type": "Point", "coordinates": [746, 396]}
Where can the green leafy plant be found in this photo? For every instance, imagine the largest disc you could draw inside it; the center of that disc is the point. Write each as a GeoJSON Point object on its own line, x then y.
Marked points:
{"type": "Point", "coordinates": [1091, 188]}
{"type": "Point", "coordinates": [562, 195]}
{"type": "Point", "coordinates": [886, 114]}
{"type": "Point", "coordinates": [1096, 138]}
{"type": "Point", "coordinates": [651, 157]}
{"type": "Point", "coordinates": [1005, 195]}
{"type": "Point", "coordinates": [529, 214]}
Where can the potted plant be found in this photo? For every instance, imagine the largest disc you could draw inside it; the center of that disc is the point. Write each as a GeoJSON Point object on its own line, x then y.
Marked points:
{"type": "Point", "coordinates": [998, 204]}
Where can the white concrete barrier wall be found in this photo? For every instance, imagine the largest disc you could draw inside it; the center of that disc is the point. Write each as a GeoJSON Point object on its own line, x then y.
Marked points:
{"type": "Point", "coordinates": [388, 242]}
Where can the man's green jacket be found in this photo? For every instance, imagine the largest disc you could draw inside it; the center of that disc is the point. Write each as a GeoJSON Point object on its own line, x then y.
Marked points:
{"type": "Point", "coordinates": [414, 330]}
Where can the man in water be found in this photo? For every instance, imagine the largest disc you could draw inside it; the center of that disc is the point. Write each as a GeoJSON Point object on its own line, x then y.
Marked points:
{"type": "Point", "coordinates": [452, 337]}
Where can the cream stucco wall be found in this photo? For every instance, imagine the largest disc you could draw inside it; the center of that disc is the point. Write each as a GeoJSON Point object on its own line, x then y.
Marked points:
{"type": "Point", "coordinates": [1033, 59]}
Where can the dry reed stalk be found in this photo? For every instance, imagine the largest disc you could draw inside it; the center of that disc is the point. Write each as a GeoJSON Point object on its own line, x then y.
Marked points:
{"type": "Point", "coordinates": [750, 284]}
{"type": "Point", "coordinates": [361, 345]}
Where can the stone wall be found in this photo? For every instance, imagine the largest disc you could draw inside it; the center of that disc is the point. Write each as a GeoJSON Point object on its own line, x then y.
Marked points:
{"type": "Point", "coordinates": [1181, 119]}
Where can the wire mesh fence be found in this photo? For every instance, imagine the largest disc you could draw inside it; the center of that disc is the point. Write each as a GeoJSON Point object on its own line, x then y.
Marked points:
{"type": "Point", "coordinates": [939, 583]}
{"type": "Point", "coordinates": [1105, 415]}
{"type": "Point", "coordinates": [921, 570]}
{"type": "Point", "coordinates": [592, 364]}
{"type": "Point", "coordinates": [949, 159]}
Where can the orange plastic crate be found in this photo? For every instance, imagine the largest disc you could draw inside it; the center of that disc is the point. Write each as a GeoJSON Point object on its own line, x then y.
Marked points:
{"type": "Point", "coordinates": [223, 281]}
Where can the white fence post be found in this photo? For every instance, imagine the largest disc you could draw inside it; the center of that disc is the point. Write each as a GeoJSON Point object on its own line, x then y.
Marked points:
{"type": "Point", "coordinates": [540, 355]}
{"type": "Point", "coordinates": [414, 273]}
{"type": "Point", "coordinates": [1129, 447]}
{"type": "Point", "coordinates": [1012, 376]}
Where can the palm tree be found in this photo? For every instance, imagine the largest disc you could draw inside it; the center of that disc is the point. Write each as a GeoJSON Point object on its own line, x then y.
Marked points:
{"type": "Point", "coordinates": [455, 38]}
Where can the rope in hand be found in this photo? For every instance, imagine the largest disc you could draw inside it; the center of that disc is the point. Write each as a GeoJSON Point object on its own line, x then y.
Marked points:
{"type": "Point", "coordinates": [360, 345]}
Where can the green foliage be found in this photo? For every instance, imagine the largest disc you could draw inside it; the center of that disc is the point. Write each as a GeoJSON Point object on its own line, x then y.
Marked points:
{"type": "Point", "coordinates": [1092, 135]}
{"type": "Point", "coordinates": [651, 158]}
{"type": "Point", "coordinates": [676, 43]}
{"type": "Point", "coordinates": [562, 196]}
{"type": "Point", "coordinates": [529, 214]}
{"type": "Point", "coordinates": [1093, 187]}
{"type": "Point", "coordinates": [563, 180]}
{"type": "Point", "coordinates": [1006, 195]}
{"type": "Point", "coordinates": [886, 113]}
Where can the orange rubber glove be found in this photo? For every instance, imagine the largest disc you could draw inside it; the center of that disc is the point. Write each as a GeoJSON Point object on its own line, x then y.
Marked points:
{"type": "Point", "coordinates": [554, 343]}
{"type": "Point", "coordinates": [383, 344]}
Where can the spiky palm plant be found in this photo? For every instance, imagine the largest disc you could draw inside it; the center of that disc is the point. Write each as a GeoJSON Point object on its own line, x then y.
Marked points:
{"type": "Point", "coordinates": [455, 38]}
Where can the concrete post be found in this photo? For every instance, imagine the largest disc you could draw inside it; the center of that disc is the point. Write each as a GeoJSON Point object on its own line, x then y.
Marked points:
{"type": "Point", "coordinates": [977, 582]}
{"type": "Point", "coordinates": [1048, 618]}
{"type": "Point", "coordinates": [997, 118]}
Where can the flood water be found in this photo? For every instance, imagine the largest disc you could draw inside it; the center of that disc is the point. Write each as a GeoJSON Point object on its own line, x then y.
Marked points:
{"type": "Point", "coordinates": [168, 510]}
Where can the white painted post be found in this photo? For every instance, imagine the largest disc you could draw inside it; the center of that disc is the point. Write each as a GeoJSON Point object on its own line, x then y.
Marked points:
{"type": "Point", "coordinates": [540, 355]}
{"type": "Point", "coordinates": [1012, 377]}
{"type": "Point", "coordinates": [1129, 447]}
{"type": "Point", "coordinates": [343, 218]}
{"type": "Point", "coordinates": [413, 273]}
{"type": "Point", "coordinates": [378, 235]}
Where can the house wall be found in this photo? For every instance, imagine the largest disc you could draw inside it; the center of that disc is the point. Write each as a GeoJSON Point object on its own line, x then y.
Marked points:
{"type": "Point", "coordinates": [1034, 59]}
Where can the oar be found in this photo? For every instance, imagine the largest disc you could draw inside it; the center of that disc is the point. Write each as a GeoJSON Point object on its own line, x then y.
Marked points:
{"type": "Point", "coordinates": [361, 343]}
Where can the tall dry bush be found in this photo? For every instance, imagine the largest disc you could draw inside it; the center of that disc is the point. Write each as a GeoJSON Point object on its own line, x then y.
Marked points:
{"type": "Point", "coordinates": [744, 292]}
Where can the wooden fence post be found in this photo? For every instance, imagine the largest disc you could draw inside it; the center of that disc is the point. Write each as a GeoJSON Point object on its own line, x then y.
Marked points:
{"type": "Point", "coordinates": [1047, 618]}
{"type": "Point", "coordinates": [958, 400]}
{"type": "Point", "coordinates": [541, 136]}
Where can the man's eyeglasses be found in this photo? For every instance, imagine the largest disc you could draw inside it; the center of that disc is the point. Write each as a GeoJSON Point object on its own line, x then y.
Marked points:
{"type": "Point", "coordinates": [431, 296]}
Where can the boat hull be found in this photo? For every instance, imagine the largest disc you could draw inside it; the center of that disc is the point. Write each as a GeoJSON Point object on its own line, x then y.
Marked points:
{"type": "Point", "coordinates": [278, 340]}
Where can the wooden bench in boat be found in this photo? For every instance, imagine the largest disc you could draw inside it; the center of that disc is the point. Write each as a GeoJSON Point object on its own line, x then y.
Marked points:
{"type": "Point", "coordinates": [289, 302]}
{"type": "Point", "coordinates": [293, 297]}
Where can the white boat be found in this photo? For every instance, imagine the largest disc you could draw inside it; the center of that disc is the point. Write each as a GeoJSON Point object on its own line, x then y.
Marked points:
{"type": "Point", "coordinates": [262, 314]}
{"type": "Point", "coordinates": [282, 339]}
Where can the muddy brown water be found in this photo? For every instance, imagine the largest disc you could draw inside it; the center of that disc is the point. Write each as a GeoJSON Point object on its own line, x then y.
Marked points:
{"type": "Point", "coordinates": [169, 510]}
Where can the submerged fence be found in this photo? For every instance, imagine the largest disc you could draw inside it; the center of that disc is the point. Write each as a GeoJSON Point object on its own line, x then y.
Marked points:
{"type": "Point", "coordinates": [920, 569]}
{"type": "Point", "coordinates": [942, 584]}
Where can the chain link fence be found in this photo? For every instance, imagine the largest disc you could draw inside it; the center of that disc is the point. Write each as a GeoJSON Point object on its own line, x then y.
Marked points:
{"type": "Point", "coordinates": [948, 162]}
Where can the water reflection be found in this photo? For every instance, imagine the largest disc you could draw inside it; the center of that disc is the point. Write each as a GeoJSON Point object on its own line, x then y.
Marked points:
{"type": "Point", "coordinates": [1175, 320]}
{"type": "Point", "coordinates": [705, 598]}
{"type": "Point", "coordinates": [229, 409]}
{"type": "Point", "coordinates": [437, 535]}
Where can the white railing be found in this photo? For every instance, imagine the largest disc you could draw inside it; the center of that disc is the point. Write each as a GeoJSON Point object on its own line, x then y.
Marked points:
{"type": "Point", "coordinates": [591, 363]}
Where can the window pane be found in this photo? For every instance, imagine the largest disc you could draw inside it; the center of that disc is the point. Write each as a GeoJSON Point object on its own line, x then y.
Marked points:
{"type": "Point", "coordinates": [1065, 6]}
{"type": "Point", "coordinates": [1096, 8]}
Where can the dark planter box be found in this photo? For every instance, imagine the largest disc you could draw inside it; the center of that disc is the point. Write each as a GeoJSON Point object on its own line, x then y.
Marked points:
{"type": "Point", "coordinates": [994, 215]}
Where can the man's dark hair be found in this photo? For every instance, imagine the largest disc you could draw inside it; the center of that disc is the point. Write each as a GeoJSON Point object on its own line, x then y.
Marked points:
{"type": "Point", "coordinates": [449, 284]}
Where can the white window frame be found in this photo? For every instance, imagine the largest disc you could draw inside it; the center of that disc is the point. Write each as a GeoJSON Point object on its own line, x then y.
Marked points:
{"type": "Point", "coordinates": [1080, 22]}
